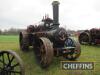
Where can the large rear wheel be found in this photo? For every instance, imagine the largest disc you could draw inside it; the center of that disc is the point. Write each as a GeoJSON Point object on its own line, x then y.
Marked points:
{"type": "Point", "coordinates": [44, 51]}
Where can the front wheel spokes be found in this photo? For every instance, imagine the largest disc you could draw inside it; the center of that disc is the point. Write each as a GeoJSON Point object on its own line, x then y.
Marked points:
{"type": "Point", "coordinates": [69, 42]}
{"type": "Point", "coordinates": [71, 56]}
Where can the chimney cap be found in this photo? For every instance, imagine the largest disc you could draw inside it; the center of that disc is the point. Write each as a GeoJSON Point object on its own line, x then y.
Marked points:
{"type": "Point", "coordinates": [55, 2]}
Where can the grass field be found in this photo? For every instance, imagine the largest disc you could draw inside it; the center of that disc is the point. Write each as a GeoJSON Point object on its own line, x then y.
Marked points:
{"type": "Point", "coordinates": [89, 53]}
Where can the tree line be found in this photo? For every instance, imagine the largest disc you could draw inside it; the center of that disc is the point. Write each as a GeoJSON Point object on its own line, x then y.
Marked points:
{"type": "Point", "coordinates": [14, 31]}
{"type": "Point", "coordinates": [11, 31]}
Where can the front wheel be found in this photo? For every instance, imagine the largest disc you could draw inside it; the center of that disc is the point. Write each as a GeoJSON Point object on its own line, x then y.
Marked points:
{"type": "Point", "coordinates": [73, 48]}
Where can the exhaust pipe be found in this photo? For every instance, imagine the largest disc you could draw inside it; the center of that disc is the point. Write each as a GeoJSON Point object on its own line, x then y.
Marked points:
{"type": "Point", "coordinates": [55, 5]}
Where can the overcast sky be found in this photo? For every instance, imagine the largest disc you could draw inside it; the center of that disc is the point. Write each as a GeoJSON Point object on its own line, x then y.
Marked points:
{"type": "Point", "coordinates": [74, 14]}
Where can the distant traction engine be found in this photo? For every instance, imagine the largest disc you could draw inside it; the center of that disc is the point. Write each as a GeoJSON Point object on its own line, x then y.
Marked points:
{"type": "Point", "coordinates": [91, 36]}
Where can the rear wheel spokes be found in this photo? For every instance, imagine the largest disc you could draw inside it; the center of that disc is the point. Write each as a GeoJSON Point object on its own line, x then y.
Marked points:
{"type": "Point", "coordinates": [45, 51]}
{"type": "Point", "coordinates": [42, 53]}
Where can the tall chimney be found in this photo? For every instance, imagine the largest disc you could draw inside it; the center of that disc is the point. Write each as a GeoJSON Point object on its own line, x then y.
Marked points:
{"type": "Point", "coordinates": [55, 5]}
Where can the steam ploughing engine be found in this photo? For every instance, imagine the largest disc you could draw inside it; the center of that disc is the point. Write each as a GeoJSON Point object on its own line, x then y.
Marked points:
{"type": "Point", "coordinates": [91, 36]}
{"type": "Point", "coordinates": [49, 40]}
